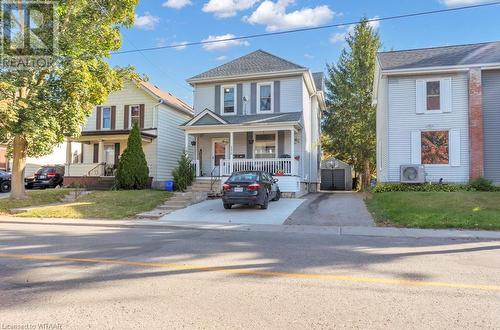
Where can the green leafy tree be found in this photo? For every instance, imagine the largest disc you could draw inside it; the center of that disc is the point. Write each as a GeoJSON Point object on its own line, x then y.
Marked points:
{"type": "Point", "coordinates": [39, 107]}
{"type": "Point", "coordinates": [133, 171]}
{"type": "Point", "coordinates": [349, 126]}
{"type": "Point", "coordinates": [184, 173]}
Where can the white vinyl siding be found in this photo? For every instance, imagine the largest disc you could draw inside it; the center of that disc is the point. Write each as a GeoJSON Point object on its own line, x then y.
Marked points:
{"type": "Point", "coordinates": [382, 134]}
{"type": "Point", "coordinates": [404, 122]}
{"type": "Point", "coordinates": [204, 98]}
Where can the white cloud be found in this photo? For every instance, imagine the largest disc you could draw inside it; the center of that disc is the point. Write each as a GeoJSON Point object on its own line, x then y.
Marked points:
{"type": "Point", "coordinates": [221, 58]}
{"type": "Point", "coordinates": [146, 21]}
{"type": "Point", "coordinates": [349, 29]}
{"type": "Point", "coordinates": [308, 56]}
{"type": "Point", "coordinates": [452, 3]}
{"type": "Point", "coordinates": [222, 45]}
{"type": "Point", "coordinates": [276, 18]}
{"type": "Point", "coordinates": [227, 8]}
{"type": "Point", "coordinates": [177, 4]}
{"type": "Point", "coordinates": [179, 45]}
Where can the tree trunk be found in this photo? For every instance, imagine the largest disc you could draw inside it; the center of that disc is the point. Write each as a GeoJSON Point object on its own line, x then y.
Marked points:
{"type": "Point", "coordinates": [18, 167]}
{"type": "Point", "coordinates": [367, 175]}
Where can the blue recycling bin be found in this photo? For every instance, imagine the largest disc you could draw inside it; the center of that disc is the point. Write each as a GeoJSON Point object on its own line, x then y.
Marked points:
{"type": "Point", "coordinates": [169, 185]}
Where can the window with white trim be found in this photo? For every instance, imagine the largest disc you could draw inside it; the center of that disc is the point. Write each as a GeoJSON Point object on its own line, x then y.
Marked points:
{"type": "Point", "coordinates": [265, 145]}
{"type": "Point", "coordinates": [435, 147]}
{"type": "Point", "coordinates": [265, 97]}
{"type": "Point", "coordinates": [433, 95]}
{"type": "Point", "coordinates": [106, 118]}
{"type": "Point", "coordinates": [135, 115]}
{"type": "Point", "coordinates": [228, 99]}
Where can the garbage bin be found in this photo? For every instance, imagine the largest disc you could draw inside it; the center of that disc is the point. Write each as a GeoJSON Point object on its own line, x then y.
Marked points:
{"type": "Point", "coordinates": [169, 185]}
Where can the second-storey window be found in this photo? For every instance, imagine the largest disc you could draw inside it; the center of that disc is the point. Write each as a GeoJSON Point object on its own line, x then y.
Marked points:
{"type": "Point", "coordinates": [433, 96]}
{"type": "Point", "coordinates": [135, 115]}
{"type": "Point", "coordinates": [435, 147]}
{"type": "Point", "coordinates": [106, 117]}
{"type": "Point", "coordinates": [229, 99]}
{"type": "Point", "coordinates": [265, 91]}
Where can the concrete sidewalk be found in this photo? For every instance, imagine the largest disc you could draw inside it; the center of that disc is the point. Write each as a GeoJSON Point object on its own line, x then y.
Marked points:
{"type": "Point", "coordinates": [319, 230]}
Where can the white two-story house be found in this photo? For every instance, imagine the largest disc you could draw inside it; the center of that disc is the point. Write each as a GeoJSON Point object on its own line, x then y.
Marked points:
{"type": "Point", "coordinates": [439, 109]}
{"type": "Point", "coordinates": [258, 112]}
{"type": "Point", "coordinates": [95, 154]}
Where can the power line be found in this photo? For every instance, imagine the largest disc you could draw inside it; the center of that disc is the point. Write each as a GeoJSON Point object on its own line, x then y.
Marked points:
{"type": "Point", "coordinates": [260, 35]}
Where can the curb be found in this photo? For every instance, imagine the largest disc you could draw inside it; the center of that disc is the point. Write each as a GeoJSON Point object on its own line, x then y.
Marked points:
{"type": "Point", "coordinates": [316, 230]}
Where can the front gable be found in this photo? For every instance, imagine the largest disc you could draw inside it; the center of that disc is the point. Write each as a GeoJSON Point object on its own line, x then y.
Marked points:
{"type": "Point", "coordinates": [206, 117]}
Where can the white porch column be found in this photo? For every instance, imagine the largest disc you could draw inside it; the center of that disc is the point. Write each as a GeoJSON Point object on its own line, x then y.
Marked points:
{"type": "Point", "coordinates": [69, 154]}
{"type": "Point", "coordinates": [292, 151]}
{"type": "Point", "coordinates": [186, 142]}
{"type": "Point", "coordinates": [101, 158]}
{"type": "Point", "coordinates": [231, 148]}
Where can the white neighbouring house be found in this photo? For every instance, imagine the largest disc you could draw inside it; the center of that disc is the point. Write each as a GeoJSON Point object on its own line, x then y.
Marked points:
{"type": "Point", "coordinates": [258, 112]}
{"type": "Point", "coordinates": [104, 137]}
{"type": "Point", "coordinates": [439, 109]}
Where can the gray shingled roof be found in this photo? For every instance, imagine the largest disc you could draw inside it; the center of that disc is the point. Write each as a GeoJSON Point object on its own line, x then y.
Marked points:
{"type": "Point", "coordinates": [483, 53]}
{"type": "Point", "coordinates": [318, 80]}
{"type": "Point", "coordinates": [259, 118]}
{"type": "Point", "coordinates": [258, 61]}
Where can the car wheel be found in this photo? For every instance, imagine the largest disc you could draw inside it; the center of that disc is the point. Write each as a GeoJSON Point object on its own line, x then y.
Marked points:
{"type": "Point", "coordinates": [5, 187]}
{"type": "Point", "coordinates": [266, 203]}
{"type": "Point", "coordinates": [278, 196]}
{"type": "Point", "coordinates": [228, 206]}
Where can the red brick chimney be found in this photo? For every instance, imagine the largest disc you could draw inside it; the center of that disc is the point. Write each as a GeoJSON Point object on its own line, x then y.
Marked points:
{"type": "Point", "coordinates": [476, 133]}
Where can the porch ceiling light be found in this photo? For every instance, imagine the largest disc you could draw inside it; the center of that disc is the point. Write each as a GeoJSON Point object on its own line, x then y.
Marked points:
{"type": "Point", "coordinates": [193, 143]}
{"type": "Point", "coordinates": [250, 141]}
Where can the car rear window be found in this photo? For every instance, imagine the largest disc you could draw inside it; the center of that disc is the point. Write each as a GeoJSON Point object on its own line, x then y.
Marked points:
{"type": "Point", "coordinates": [46, 170]}
{"type": "Point", "coordinates": [244, 177]}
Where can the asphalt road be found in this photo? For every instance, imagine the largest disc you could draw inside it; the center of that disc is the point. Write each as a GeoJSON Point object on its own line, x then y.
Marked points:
{"type": "Point", "coordinates": [75, 277]}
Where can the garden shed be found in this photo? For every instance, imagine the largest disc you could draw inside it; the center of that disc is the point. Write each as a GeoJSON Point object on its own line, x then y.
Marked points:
{"type": "Point", "coordinates": [335, 175]}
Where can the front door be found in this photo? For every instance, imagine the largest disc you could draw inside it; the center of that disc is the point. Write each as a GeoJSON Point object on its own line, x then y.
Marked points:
{"type": "Point", "coordinates": [220, 150]}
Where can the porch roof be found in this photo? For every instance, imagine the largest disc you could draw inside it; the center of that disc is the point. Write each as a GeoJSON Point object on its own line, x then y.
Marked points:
{"type": "Point", "coordinates": [119, 134]}
{"type": "Point", "coordinates": [207, 117]}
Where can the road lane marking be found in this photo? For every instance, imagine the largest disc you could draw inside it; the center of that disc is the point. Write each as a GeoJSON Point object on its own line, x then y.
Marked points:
{"type": "Point", "coordinates": [263, 273]}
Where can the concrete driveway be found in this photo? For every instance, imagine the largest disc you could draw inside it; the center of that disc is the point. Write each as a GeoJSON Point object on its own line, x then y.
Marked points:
{"type": "Point", "coordinates": [212, 211]}
{"type": "Point", "coordinates": [332, 209]}
{"type": "Point", "coordinates": [4, 195]}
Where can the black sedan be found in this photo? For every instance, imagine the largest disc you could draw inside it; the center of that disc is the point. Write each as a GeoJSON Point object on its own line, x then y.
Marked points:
{"type": "Point", "coordinates": [46, 177]}
{"type": "Point", "coordinates": [4, 181]}
{"type": "Point", "coordinates": [250, 188]}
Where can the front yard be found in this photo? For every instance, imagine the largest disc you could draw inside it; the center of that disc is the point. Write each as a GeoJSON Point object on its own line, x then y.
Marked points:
{"type": "Point", "coordinates": [463, 210]}
{"type": "Point", "coordinates": [96, 205]}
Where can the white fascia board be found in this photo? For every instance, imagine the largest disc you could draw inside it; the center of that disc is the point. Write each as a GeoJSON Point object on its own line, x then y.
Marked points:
{"type": "Point", "coordinates": [440, 69]}
{"type": "Point", "coordinates": [239, 128]}
{"type": "Point", "coordinates": [203, 113]}
{"type": "Point", "coordinates": [247, 76]}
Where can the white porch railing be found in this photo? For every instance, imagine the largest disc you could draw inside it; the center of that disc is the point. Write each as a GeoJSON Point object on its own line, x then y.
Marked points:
{"type": "Point", "coordinates": [271, 165]}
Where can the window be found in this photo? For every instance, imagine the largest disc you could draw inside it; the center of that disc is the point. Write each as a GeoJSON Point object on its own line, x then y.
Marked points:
{"type": "Point", "coordinates": [229, 98]}
{"type": "Point", "coordinates": [135, 115]}
{"type": "Point", "coordinates": [433, 95]}
{"type": "Point", "coordinates": [265, 146]}
{"type": "Point", "coordinates": [265, 92]}
{"type": "Point", "coordinates": [435, 147]}
{"type": "Point", "coordinates": [106, 117]}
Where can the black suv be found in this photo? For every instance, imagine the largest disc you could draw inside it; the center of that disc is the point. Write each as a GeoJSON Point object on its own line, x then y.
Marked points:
{"type": "Point", "coordinates": [46, 177]}
{"type": "Point", "coordinates": [250, 188]}
{"type": "Point", "coordinates": [4, 181]}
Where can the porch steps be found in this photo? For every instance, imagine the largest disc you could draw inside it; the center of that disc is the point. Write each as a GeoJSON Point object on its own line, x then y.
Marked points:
{"type": "Point", "coordinates": [179, 201]}
{"type": "Point", "coordinates": [206, 186]}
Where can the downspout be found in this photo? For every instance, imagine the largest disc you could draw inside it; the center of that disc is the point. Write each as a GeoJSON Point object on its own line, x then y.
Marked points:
{"type": "Point", "coordinates": [155, 123]}
{"type": "Point", "coordinates": [311, 142]}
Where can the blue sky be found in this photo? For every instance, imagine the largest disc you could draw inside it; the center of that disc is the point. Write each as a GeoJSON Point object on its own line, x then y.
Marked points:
{"type": "Point", "coordinates": [165, 22]}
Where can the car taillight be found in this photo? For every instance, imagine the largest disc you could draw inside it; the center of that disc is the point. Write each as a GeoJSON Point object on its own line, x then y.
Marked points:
{"type": "Point", "coordinates": [226, 187]}
{"type": "Point", "coordinates": [51, 175]}
{"type": "Point", "coordinates": [253, 186]}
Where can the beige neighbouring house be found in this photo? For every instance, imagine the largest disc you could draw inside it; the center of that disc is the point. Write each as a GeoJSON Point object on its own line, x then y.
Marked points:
{"type": "Point", "coordinates": [258, 112]}
{"type": "Point", "coordinates": [95, 154]}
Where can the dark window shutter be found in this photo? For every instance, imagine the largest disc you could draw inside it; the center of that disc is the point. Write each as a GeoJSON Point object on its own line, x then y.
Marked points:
{"type": "Point", "coordinates": [141, 120]}
{"type": "Point", "coordinates": [249, 145]}
{"type": "Point", "coordinates": [81, 154]}
{"type": "Point", "coordinates": [98, 118]}
{"type": "Point", "coordinates": [117, 153]}
{"type": "Point", "coordinates": [253, 98]}
{"type": "Point", "coordinates": [113, 117]}
{"type": "Point", "coordinates": [126, 110]}
{"type": "Point", "coordinates": [217, 100]}
{"type": "Point", "coordinates": [277, 96]}
{"type": "Point", "coordinates": [96, 153]}
{"type": "Point", "coordinates": [239, 100]}
{"type": "Point", "coordinates": [281, 143]}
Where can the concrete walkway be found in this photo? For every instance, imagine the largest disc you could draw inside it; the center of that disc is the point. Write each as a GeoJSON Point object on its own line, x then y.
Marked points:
{"type": "Point", "coordinates": [332, 209]}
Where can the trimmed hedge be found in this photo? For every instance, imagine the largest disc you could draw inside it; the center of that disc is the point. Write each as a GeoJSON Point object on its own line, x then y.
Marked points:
{"type": "Point", "coordinates": [479, 184]}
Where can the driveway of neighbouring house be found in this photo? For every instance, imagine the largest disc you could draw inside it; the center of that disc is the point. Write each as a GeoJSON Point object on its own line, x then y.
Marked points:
{"type": "Point", "coordinates": [332, 209]}
{"type": "Point", "coordinates": [4, 195]}
{"type": "Point", "coordinates": [212, 211]}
